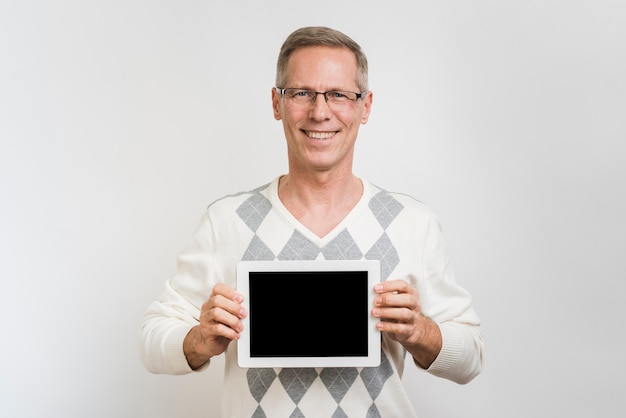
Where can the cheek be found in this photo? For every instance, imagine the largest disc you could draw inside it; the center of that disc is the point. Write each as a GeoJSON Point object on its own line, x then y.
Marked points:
{"type": "Point", "coordinates": [350, 117]}
{"type": "Point", "coordinates": [351, 122]}
{"type": "Point", "coordinates": [292, 117]}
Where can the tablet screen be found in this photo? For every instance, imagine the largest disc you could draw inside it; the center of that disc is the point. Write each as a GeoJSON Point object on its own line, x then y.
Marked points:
{"type": "Point", "coordinates": [322, 313]}
{"type": "Point", "coordinates": [308, 314]}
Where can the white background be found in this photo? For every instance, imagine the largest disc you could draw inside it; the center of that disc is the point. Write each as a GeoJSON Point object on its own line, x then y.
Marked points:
{"type": "Point", "coordinates": [120, 121]}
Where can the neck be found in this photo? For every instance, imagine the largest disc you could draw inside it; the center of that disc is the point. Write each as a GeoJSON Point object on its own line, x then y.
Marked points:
{"type": "Point", "coordinates": [319, 188]}
{"type": "Point", "coordinates": [320, 202]}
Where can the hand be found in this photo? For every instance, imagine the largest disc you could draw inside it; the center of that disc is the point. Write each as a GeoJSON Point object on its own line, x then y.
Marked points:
{"type": "Point", "coordinates": [220, 323]}
{"type": "Point", "coordinates": [398, 308]}
{"type": "Point", "coordinates": [397, 305]}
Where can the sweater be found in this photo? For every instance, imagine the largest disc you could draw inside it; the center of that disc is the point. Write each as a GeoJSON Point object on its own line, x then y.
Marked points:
{"type": "Point", "coordinates": [398, 230]}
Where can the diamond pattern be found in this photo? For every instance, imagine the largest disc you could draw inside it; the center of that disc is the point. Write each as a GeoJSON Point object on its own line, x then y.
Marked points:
{"type": "Point", "coordinates": [254, 210]}
{"type": "Point", "coordinates": [297, 381]}
{"type": "Point", "coordinates": [259, 381]}
{"type": "Point", "coordinates": [257, 250]}
{"type": "Point", "coordinates": [338, 380]}
{"type": "Point", "coordinates": [299, 248]}
{"type": "Point", "coordinates": [375, 377]}
{"type": "Point", "coordinates": [384, 251]}
{"type": "Point", "coordinates": [259, 413]}
{"type": "Point", "coordinates": [339, 413]}
{"type": "Point", "coordinates": [297, 413]}
{"type": "Point", "coordinates": [342, 247]}
{"type": "Point", "coordinates": [373, 412]}
{"type": "Point", "coordinates": [385, 208]}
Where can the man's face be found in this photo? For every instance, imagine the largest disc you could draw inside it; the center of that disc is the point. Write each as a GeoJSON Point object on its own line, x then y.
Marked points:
{"type": "Point", "coordinates": [319, 137]}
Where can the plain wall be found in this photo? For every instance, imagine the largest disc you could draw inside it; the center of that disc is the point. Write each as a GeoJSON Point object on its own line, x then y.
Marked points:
{"type": "Point", "coordinates": [120, 121]}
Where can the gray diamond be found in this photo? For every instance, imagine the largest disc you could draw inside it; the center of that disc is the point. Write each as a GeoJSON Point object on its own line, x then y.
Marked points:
{"type": "Point", "coordinates": [297, 381]}
{"type": "Point", "coordinates": [259, 380]}
{"type": "Point", "coordinates": [385, 208]}
{"type": "Point", "coordinates": [373, 412]}
{"type": "Point", "coordinates": [338, 380]}
{"type": "Point", "coordinates": [259, 413]}
{"type": "Point", "coordinates": [339, 413]}
{"type": "Point", "coordinates": [257, 250]}
{"type": "Point", "coordinates": [254, 210]}
{"type": "Point", "coordinates": [299, 248]}
{"type": "Point", "coordinates": [342, 247]}
{"type": "Point", "coordinates": [374, 378]}
{"type": "Point", "coordinates": [384, 251]}
{"type": "Point", "coordinates": [297, 413]}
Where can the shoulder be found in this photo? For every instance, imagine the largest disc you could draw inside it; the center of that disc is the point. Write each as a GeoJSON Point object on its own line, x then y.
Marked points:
{"type": "Point", "coordinates": [394, 200]}
{"type": "Point", "coordinates": [241, 201]}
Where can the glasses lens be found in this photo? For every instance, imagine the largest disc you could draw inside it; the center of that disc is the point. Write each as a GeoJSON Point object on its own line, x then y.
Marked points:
{"type": "Point", "coordinates": [340, 97]}
{"type": "Point", "coordinates": [306, 97]}
{"type": "Point", "coordinates": [300, 96]}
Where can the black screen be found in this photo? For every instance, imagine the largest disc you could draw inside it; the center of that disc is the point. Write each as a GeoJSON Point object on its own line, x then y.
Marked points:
{"type": "Point", "coordinates": [308, 314]}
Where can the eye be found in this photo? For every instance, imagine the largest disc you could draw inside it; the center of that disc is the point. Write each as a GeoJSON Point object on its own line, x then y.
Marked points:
{"type": "Point", "coordinates": [339, 96]}
{"type": "Point", "coordinates": [301, 93]}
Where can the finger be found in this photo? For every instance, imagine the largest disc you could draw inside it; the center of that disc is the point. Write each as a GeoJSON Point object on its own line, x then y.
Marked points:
{"type": "Point", "coordinates": [397, 331]}
{"type": "Point", "coordinates": [221, 316]}
{"type": "Point", "coordinates": [215, 322]}
{"type": "Point", "coordinates": [217, 330]}
{"type": "Point", "coordinates": [226, 297]}
{"type": "Point", "coordinates": [227, 292]}
{"type": "Point", "coordinates": [394, 286]}
{"type": "Point", "coordinates": [402, 315]}
{"type": "Point", "coordinates": [221, 302]}
{"type": "Point", "coordinates": [398, 300]}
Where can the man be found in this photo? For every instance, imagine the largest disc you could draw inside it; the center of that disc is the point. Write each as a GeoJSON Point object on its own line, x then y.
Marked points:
{"type": "Point", "coordinates": [318, 210]}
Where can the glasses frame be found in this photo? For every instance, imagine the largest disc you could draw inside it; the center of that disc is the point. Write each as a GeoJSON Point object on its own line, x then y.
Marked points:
{"type": "Point", "coordinates": [281, 91]}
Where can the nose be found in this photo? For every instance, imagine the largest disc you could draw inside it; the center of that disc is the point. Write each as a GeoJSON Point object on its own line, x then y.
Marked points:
{"type": "Point", "coordinates": [319, 108]}
{"type": "Point", "coordinates": [317, 93]}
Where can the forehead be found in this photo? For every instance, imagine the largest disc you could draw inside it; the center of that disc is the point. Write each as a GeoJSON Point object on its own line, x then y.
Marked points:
{"type": "Point", "coordinates": [322, 67]}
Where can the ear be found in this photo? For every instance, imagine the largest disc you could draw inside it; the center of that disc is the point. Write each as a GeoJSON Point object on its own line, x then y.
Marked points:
{"type": "Point", "coordinates": [276, 104]}
{"type": "Point", "coordinates": [367, 107]}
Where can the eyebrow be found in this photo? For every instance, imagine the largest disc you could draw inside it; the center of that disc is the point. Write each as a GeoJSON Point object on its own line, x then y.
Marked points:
{"type": "Point", "coordinates": [356, 90]}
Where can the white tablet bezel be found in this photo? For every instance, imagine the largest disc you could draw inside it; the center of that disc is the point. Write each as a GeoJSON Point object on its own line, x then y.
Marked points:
{"type": "Point", "coordinates": [372, 267]}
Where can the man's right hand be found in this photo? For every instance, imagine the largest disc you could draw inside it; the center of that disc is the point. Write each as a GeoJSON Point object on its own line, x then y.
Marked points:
{"type": "Point", "coordinates": [220, 323]}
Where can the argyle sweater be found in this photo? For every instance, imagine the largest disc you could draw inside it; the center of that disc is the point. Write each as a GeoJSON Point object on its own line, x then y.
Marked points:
{"type": "Point", "coordinates": [399, 231]}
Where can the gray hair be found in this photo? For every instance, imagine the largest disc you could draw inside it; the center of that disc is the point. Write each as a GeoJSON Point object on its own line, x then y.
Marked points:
{"type": "Point", "coordinates": [320, 36]}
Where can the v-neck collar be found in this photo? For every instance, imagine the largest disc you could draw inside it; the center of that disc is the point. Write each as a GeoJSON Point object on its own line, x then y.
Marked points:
{"type": "Point", "coordinates": [320, 241]}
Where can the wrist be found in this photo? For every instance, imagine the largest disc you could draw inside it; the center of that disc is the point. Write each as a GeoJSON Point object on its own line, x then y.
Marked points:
{"type": "Point", "coordinates": [428, 346]}
{"type": "Point", "coordinates": [195, 348]}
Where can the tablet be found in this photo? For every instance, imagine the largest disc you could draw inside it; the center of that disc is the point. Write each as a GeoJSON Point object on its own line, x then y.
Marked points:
{"type": "Point", "coordinates": [308, 314]}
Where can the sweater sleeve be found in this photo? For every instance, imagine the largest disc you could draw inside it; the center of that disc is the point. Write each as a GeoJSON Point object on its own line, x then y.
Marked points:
{"type": "Point", "coordinates": [168, 319]}
{"type": "Point", "coordinates": [450, 306]}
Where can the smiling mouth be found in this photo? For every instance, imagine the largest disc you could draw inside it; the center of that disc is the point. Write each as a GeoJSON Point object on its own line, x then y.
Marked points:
{"type": "Point", "coordinates": [320, 135]}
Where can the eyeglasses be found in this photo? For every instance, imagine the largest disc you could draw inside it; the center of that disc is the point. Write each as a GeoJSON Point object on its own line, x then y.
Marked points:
{"type": "Point", "coordinates": [307, 97]}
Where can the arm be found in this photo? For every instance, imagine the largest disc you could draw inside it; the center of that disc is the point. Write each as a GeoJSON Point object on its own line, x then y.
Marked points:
{"type": "Point", "coordinates": [195, 317]}
{"type": "Point", "coordinates": [451, 349]}
{"type": "Point", "coordinates": [432, 316]}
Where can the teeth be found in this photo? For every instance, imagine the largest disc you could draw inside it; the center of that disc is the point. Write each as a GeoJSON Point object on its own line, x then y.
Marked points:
{"type": "Point", "coordinates": [320, 135]}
